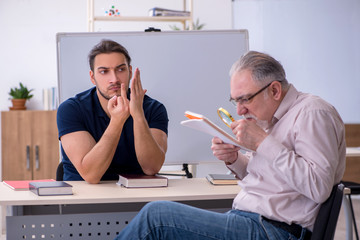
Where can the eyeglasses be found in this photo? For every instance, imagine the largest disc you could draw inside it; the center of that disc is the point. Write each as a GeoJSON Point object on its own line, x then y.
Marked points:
{"type": "Point", "coordinates": [242, 100]}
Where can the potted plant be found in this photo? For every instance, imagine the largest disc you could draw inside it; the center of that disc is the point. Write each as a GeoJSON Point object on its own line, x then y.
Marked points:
{"type": "Point", "coordinates": [19, 97]}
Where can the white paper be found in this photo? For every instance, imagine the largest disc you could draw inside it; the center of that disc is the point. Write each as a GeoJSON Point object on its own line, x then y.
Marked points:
{"type": "Point", "coordinates": [206, 126]}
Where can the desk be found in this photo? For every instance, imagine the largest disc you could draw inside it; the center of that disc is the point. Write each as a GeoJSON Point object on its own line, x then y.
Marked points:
{"type": "Point", "coordinates": [352, 168]}
{"type": "Point", "coordinates": [113, 205]}
{"type": "Point", "coordinates": [353, 152]}
{"type": "Point", "coordinates": [99, 211]}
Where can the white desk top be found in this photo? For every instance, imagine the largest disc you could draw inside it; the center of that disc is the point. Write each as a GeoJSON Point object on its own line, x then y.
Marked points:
{"type": "Point", "coordinates": [110, 192]}
{"type": "Point", "coordinates": [353, 151]}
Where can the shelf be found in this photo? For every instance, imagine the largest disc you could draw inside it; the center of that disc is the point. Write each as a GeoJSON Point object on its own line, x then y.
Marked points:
{"type": "Point", "coordinates": [92, 18]}
{"type": "Point", "coordinates": [144, 19]}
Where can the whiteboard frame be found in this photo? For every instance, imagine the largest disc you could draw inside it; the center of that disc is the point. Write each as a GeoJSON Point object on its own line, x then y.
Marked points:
{"type": "Point", "coordinates": [199, 74]}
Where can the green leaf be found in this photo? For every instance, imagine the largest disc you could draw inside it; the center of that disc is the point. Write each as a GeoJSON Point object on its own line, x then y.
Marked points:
{"type": "Point", "coordinates": [20, 93]}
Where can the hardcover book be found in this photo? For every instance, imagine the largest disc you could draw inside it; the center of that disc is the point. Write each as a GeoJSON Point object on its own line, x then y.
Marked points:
{"type": "Point", "coordinates": [23, 185]}
{"type": "Point", "coordinates": [222, 179]}
{"type": "Point", "coordinates": [50, 188]}
{"type": "Point", "coordinates": [142, 181]}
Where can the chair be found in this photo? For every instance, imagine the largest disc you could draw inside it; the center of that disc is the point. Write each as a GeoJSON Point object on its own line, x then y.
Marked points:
{"type": "Point", "coordinates": [60, 172]}
{"type": "Point", "coordinates": [355, 189]}
{"type": "Point", "coordinates": [325, 223]}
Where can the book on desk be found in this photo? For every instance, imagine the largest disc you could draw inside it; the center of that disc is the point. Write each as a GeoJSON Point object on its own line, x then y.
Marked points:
{"type": "Point", "coordinates": [23, 185]}
{"type": "Point", "coordinates": [222, 179]}
{"type": "Point", "coordinates": [142, 181]}
{"type": "Point", "coordinates": [50, 188]}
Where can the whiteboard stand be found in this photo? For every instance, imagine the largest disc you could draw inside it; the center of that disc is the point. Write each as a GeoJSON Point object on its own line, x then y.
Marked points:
{"type": "Point", "coordinates": [187, 173]}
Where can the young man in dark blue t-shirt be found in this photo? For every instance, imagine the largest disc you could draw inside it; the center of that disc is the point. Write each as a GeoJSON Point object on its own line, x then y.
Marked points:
{"type": "Point", "coordinates": [111, 128]}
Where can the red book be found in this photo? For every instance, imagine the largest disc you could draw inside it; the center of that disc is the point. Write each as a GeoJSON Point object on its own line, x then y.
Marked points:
{"type": "Point", "coordinates": [22, 185]}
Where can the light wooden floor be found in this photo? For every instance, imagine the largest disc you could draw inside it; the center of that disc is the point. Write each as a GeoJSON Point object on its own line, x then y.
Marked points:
{"type": "Point", "coordinates": [340, 233]}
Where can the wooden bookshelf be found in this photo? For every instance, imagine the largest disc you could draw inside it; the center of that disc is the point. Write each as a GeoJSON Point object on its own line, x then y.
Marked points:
{"type": "Point", "coordinates": [92, 18]}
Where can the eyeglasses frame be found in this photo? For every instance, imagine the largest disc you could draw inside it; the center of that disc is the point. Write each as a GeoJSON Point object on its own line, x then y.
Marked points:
{"type": "Point", "coordinates": [247, 100]}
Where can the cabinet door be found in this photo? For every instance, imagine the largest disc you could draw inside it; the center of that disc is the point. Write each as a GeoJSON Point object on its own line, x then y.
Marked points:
{"type": "Point", "coordinates": [45, 144]}
{"type": "Point", "coordinates": [16, 145]}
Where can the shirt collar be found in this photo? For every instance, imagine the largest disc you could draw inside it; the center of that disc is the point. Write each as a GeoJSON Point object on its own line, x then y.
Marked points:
{"type": "Point", "coordinates": [97, 106]}
{"type": "Point", "coordinates": [286, 103]}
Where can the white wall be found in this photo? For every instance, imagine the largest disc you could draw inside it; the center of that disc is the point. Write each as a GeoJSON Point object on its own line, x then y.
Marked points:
{"type": "Point", "coordinates": [28, 35]}
{"type": "Point", "coordinates": [317, 41]}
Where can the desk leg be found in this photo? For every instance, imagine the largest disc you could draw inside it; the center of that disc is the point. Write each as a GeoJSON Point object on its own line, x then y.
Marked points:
{"type": "Point", "coordinates": [348, 218]}
{"type": "Point", "coordinates": [192, 169]}
{"type": "Point", "coordinates": [8, 211]}
{"type": "Point", "coordinates": [3, 220]}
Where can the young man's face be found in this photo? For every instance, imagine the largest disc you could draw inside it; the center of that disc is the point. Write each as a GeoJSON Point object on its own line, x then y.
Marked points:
{"type": "Point", "coordinates": [110, 71]}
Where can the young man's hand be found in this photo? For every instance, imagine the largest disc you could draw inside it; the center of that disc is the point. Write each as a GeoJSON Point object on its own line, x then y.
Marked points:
{"type": "Point", "coordinates": [136, 96]}
{"type": "Point", "coordinates": [119, 106]}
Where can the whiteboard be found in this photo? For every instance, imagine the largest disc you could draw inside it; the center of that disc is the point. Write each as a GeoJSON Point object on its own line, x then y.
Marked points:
{"type": "Point", "coordinates": [184, 70]}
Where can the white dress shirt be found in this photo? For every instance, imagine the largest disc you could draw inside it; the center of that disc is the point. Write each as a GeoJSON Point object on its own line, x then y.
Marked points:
{"type": "Point", "coordinates": [295, 167]}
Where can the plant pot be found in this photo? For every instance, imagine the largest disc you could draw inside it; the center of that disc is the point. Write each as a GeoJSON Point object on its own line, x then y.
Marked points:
{"type": "Point", "coordinates": [18, 104]}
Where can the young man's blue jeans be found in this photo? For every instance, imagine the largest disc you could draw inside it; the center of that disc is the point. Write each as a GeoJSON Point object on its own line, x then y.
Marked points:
{"type": "Point", "coordinates": [171, 220]}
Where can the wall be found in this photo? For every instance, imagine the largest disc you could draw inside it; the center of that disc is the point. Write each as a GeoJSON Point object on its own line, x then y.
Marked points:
{"type": "Point", "coordinates": [28, 35]}
{"type": "Point", "coordinates": [28, 29]}
{"type": "Point", "coordinates": [317, 41]}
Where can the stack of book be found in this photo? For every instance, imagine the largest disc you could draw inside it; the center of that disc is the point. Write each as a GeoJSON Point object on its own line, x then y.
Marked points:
{"type": "Point", "coordinates": [43, 187]}
{"type": "Point", "coordinates": [23, 185]}
{"type": "Point", "coordinates": [222, 179]}
{"type": "Point", "coordinates": [153, 12]}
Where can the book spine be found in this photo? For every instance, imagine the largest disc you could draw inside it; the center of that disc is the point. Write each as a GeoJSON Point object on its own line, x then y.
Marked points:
{"type": "Point", "coordinates": [34, 189]}
{"type": "Point", "coordinates": [166, 12]}
{"type": "Point", "coordinates": [50, 99]}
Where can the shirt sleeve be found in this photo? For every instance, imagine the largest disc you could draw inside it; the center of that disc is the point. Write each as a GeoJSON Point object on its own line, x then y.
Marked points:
{"type": "Point", "coordinates": [159, 118]}
{"type": "Point", "coordinates": [239, 166]}
{"type": "Point", "coordinates": [309, 164]}
{"type": "Point", "coordinates": [69, 118]}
